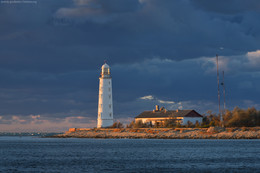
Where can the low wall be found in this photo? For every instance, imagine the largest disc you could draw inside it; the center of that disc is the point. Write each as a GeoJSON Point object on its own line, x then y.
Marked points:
{"type": "Point", "coordinates": [78, 129]}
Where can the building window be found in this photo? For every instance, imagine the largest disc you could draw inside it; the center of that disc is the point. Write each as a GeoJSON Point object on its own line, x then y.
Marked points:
{"type": "Point", "coordinates": [108, 89]}
{"type": "Point", "coordinates": [109, 82]}
{"type": "Point", "coordinates": [110, 114]}
{"type": "Point", "coordinates": [109, 96]}
{"type": "Point", "coordinates": [110, 106]}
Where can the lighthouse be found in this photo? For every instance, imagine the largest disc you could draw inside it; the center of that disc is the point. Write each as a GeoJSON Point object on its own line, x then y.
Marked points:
{"type": "Point", "coordinates": [105, 103]}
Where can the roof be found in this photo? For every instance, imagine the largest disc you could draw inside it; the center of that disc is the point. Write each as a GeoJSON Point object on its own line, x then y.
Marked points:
{"type": "Point", "coordinates": [105, 66]}
{"type": "Point", "coordinates": [169, 113]}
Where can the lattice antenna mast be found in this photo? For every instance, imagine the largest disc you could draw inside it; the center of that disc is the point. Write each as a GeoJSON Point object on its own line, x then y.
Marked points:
{"type": "Point", "coordinates": [224, 93]}
{"type": "Point", "coordinates": [219, 110]}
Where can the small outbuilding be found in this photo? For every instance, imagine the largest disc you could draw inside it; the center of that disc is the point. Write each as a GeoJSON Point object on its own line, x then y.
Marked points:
{"type": "Point", "coordinates": [158, 116]}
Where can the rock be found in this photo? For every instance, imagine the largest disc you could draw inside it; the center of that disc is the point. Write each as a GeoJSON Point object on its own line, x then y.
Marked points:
{"type": "Point", "coordinates": [215, 129]}
{"type": "Point", "coordinates": [183, 133]}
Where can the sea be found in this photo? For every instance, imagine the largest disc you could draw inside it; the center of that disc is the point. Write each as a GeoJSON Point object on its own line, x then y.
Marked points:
{"type": "Point", "coordinates": [36, 154]}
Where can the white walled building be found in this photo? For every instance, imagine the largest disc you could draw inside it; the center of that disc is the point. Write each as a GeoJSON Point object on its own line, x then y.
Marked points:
{"type": "Point", "coordinates": [105, 102]}
{"type": "Point", "coordinates": [160, 115]}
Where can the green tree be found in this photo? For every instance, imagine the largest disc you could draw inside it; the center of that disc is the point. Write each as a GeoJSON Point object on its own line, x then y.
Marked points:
{"type": "Point", "coordinates": [227, 117]}
{"type": "Point", "coordinates": [205, 121]}
{"type": "Point", "coordinates": [239, 118]}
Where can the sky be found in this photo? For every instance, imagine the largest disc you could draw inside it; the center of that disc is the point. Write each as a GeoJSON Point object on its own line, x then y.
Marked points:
{"type": "Point", "coordinates": [160, 52]}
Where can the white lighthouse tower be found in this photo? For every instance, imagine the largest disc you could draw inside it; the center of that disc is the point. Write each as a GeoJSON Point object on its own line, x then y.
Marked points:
{"type": "Point", "coordinates": [105, 103]}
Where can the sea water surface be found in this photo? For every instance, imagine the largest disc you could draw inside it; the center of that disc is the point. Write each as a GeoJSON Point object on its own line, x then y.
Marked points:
{"type": "Point", "coordinates": [30, 154]}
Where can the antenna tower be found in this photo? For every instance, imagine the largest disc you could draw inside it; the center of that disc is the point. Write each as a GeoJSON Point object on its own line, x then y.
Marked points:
{"type": "Point", "coordinates": [219, 110]}
{"type": "Point", "coordinates": [224, 92]}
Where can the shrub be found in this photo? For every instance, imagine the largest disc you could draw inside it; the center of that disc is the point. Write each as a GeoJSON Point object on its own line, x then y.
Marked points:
{"type": "Point", "coordinates": [237, 118]}
{"type": "Point", "coordinates": [117, 125]}
{"type": "Point", "coordinates": [197, 124]}
{"type": "Point", "coordinates": [131, 125]}
{"type": "Point", "coordinates": [139, 124]}
{"type": "Point", "coordinates": [169, 123]}
{"type": "Point", "coordinates": [190, 124]}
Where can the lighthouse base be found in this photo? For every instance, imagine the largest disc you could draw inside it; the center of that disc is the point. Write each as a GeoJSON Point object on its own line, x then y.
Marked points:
{"type": "Point", "coordinates": [104, 123]}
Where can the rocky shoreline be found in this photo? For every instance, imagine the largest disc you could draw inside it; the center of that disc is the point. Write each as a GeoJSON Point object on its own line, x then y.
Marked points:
{"type": "Point", "coordinates": [165, 133]}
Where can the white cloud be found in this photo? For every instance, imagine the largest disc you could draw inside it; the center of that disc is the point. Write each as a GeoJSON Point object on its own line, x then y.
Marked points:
{"type": "Point", "coordinates": [249, 62]}
{"type": "Point", "coordinates": [149, 97]}
{"type": "Point", "coordinates": [35, 116]}
{"type": "Point", "coordinates": [254, 58]}
{"type": "Point", "coordinates": [166, 102]}
{"type": "Point", "coordinates": [18, 119]}
{"type": "Point", "coordinates": [254, 54]}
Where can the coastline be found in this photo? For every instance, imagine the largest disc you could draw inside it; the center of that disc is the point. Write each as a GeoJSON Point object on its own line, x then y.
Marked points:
{"type": "Point", "coordinates": [164, 133]}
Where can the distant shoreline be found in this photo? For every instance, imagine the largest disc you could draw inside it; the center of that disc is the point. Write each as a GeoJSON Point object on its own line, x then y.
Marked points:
{"type": "Point", "coordinates": [164, 133]}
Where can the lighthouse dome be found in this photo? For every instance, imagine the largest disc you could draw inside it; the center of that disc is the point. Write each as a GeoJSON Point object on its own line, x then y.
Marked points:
{"type": "Point", "coordinates": [105, 69]}
{"type": "Point", "coordinates": [105, 66]}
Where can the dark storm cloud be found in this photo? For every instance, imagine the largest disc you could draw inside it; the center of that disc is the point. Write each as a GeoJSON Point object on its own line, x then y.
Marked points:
{"type": "Point", "coordinates": [68, 35]}
{"type": "Point", "coordinates": [83, 8]}
{"type": "Point", "coordinates": [228, 6]}
{"type": "Point", "coordinates": [191, 83]}
{"type": "Point", "coordinates": [51, 53]}
{"type": "Point", "coordinates": [37, 92]}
